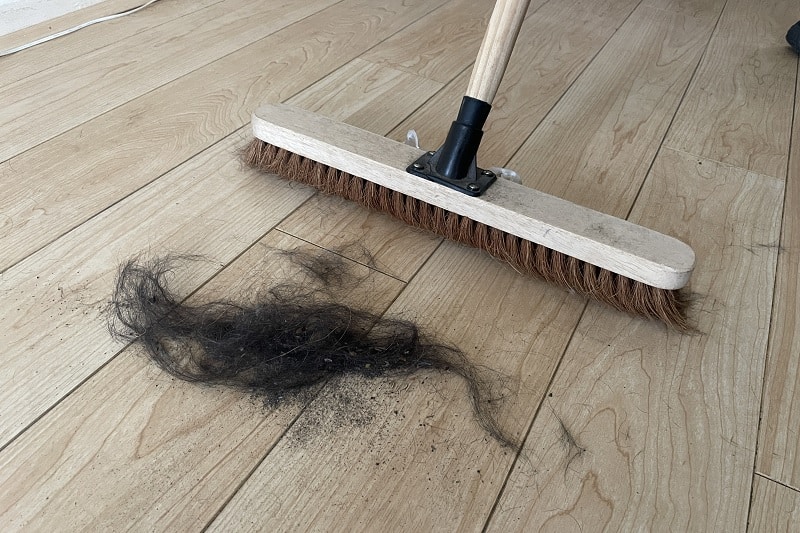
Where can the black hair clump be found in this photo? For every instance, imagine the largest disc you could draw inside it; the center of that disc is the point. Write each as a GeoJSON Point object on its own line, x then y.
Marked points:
{"type": "Point", "coordinates": [289, 338]}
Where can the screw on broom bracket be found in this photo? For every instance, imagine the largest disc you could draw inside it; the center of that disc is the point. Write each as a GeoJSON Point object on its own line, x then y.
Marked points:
{"type": "Point", "coordinates": [454, 165]}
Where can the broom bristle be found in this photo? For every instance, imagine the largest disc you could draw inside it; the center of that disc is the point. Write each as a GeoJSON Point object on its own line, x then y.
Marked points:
{"type": "Point", "coordinates": [618, 291]}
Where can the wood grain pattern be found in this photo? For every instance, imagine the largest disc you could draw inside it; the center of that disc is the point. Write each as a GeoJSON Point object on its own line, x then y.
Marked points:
{"type": "Point", "coordinates": [176, 121]}
{"type": "Point", "coordinates": [301, 506]}
{"type": "Point", "coordinates": [130, 430]}
{"type": "Point", "coordinates": [627, 425]}
{"type": "Point", "coordinates": [253, 203]}
{"type": "Point", "coordinates": [63, 22]}
{"type": "Point", "coordinates": [779, 438]}
{"type": "Point", "coordinates": [553, 52]}
{"type": "Point", "coordinates": [87, 40]}
{"type": "Point", "coordinates": [649, 429]}
{"type": "Point", "coordinates": [774, 508]}
{"type": "Point", "coordinates": [67, 283]}
{"type": "Point", "coordinates": [437, 47]}
{"type": "Point", "coordinates": [133, 67]}
{"type": "Point", "coordinates": [597, 144]}
{"type": "Point", "coordinates": [368, 476]}
{"type": "Point", "coordinates": [736, 110]}
{"type": "Point", "coordinates": [556, 43]}
{"type": "Point", "coordinates": [364, 94]}
{"type": "Point", "coordinates": [424, 465]}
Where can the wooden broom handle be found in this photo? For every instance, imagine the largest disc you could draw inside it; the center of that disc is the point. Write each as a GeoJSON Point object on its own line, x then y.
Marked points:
{"type": "Point", "coordinates": [496, 48]}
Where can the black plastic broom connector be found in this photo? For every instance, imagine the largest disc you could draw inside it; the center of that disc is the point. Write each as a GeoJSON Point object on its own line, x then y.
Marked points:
{"type": "Point", "coordinates": [454, 165]}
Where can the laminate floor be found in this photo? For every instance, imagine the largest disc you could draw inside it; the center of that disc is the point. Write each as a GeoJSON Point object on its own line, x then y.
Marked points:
{"type": "Point", "coordinates": [122, 140]}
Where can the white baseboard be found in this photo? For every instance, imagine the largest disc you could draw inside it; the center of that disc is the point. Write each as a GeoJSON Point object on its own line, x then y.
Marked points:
{"type": "Point", "coordinates": [18, 14]}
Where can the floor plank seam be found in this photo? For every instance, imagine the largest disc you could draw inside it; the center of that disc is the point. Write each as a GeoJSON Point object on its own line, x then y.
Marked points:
{"type": "Point", "coordinates": [676, 111]}
{"type": "Point", "coordinates": [143, 94]}
{"type": "Point", "coordinates": [331, 73]}
{"type": "Point", "coordinates": [243, 480]}
{"type": "Point", "coordinates": [374, 268]}
{"type": "Point", "coordinates": [98, 213]}
{"type": "Point", "coordinates": [95, 49]}
{"type": "Point", "coordinates": [117, 201]}
{"type": "Point", "coordinates": [156, 470]}
{"type": "Point", "coordinates": [567, 89]}
{"type": "Point", "coordinates": [424, 104]}
{"type": "Point", "coordinates": [773, 323]}
{"type": "Point", "coordinates": [524, 439]}
{"type": "Point", "coordinates": [59, 401]}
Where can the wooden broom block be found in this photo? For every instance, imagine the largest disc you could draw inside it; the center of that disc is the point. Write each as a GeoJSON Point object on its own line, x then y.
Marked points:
{"type": "Point", "coordinates": [608, 242]}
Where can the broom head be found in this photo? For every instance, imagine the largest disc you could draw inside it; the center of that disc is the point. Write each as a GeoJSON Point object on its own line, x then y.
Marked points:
{"type": "Point", "coordinates": [629, 267]}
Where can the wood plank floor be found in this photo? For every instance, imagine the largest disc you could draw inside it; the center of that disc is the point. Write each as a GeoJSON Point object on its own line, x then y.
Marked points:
{"type": "Point", "coordinates": [122, 139]}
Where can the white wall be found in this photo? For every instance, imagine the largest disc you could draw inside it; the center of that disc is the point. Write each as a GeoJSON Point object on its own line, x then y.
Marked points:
{"type": "Point", "coordinates": [18, 14]}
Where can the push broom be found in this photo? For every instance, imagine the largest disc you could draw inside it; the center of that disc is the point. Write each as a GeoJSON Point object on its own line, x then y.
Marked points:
{"type": "Point", "coordinates": [629, 267]}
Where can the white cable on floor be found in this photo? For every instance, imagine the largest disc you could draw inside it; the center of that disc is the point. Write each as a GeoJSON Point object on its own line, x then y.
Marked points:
{"type": "Point", "coordinates": [74, 29]}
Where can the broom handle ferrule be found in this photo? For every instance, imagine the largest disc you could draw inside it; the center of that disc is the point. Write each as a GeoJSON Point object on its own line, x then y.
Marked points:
{"type": "Point", "coordinates": [496, 48]}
